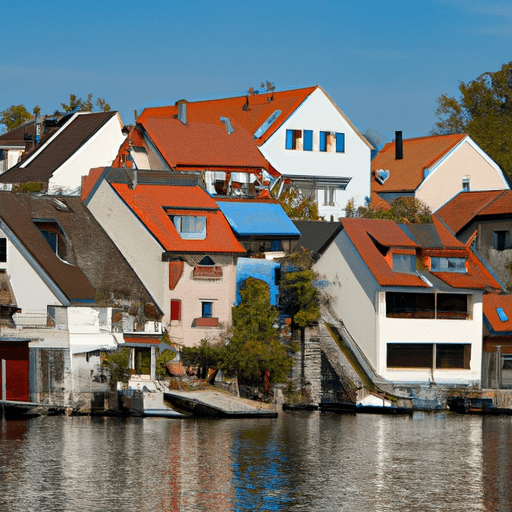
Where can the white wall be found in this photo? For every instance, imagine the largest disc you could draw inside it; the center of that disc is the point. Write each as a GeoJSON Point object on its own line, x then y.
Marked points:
{"type": "Point", "coordinates": [352, 295]}
{"type": "Point", "coordinates": [31, 292]}
{"type": "Point", "coordinates": [411, 330]}
{"type": "Point", "coordinates": [318, 113]}
{"type": "Point", "coordinates": [99, 151]}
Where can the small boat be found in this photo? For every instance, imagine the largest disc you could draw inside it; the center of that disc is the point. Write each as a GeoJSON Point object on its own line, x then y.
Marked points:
{"type": "Point", "coordinates": [475, 405]}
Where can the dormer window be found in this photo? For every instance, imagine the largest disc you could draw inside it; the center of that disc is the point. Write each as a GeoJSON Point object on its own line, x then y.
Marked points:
{"type": "Point", "coordinates": [405, 263]}
{"type": "Point", "coordinates": [465, 184]}
{"type": "Point", "coordinates": [56, 238]}
{"type": "Point", "coordinates": [457, 265]}
{"type": "Point", "coordinates": [190, 227]}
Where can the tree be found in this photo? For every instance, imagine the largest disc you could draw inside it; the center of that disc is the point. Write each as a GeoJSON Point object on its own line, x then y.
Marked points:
{"type": "Point", "coordinates": [404, 210]}
{"type": "Point", "coordinates": [483, 111]}
{"type": "Point", "coordinates": [118, 365]}
{"type": "Point", "coordinates": [297, 205]}
{"type": "Point", "coordinates": [15, 116]}
{"type": "Point", "coordinates": [255, 348]}
{"type": "Point", "coordinates": [76, 103]}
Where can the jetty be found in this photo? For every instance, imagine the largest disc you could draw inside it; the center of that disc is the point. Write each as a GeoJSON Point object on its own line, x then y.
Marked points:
{"type": "Point", "coordinates": [218, 404]}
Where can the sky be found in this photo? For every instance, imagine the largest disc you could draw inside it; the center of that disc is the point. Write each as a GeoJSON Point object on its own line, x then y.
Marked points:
{"type": "Point", "coordinates": [384, 63]}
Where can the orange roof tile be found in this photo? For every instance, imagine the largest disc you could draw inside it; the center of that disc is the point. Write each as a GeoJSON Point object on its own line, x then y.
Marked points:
{"type": "Point", "coordinates": [89, 181]}
{"type": "Point", "coordinates": [464, 207]}
{"type": "Point", "coordinates": [363, 232]}
{"type": "Point", "coordinates": [154, 203]}
{"type": "Point", "coordinates": [491, 302]}
{"type": "Point", "coordinates": [418, 154]}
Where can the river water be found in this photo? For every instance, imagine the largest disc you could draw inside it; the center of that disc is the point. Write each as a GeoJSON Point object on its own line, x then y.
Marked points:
{"type": "Point", "coordinates": [299, 461]}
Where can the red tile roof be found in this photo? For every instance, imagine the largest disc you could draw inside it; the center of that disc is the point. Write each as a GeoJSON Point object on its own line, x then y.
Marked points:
{"type": "Point", "coordinates": [491, 302]}
{"type": "Point", "coordinates": [464, 207]}
{"type": "Point", "coordinates": [418, 154]}
{"type": "Point", "coordinates": [153, 204]}
{"type": "Point", "coordinates": [364, 232]}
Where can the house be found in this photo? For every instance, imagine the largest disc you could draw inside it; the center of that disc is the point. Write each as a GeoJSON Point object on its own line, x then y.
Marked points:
{"type": "Point", "coordinates": [410, 296]}
{"type": "Point", "coordinates": [245, 143]}
{"type": "Point", "coordinates": [485, 217]}
{"type": "Point", "coordinates": [62, 283]}
{"type": "Point", "coordinates": [433, 169]}
{"type": "Point", "coordinates": [497, 341]}
{"type": "Point", "coordinates": [260, 225]}
{"type": "Point", "coordinates": [81, 141]}
{"type": "Point", "coordinates": [176, 239]}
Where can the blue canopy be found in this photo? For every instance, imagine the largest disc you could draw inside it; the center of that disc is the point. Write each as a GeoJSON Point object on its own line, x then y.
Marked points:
{"type": "Point", "coordinates": [258, 219]}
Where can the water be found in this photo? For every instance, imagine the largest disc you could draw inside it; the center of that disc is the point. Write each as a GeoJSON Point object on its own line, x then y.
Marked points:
{"type": "Point", "coordinates": [299, 462]}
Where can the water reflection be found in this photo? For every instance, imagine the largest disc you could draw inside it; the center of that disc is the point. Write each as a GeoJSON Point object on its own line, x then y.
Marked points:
{"type": "Point", "coordinates": [298, 461]}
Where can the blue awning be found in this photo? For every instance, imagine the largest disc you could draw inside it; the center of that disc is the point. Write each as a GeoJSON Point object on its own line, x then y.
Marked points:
{"type": "Point", "coordinates": [258, 219]}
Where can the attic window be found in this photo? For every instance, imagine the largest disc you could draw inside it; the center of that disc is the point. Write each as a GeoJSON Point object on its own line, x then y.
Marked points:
{"type": "Point", "coordinates": [56, 238]}
{"type": "Point", "coordinates": [465, 184]}
{"type": "Point", "coordinates": [331, 142]}
{"type": "Point", "coordinates": [190, 227]}
{"type": "Point", "coordinates": [207, 261]}
{"type": "Point", "coordinates": [405, 263]}
{"type": "Point", "coordinates": [266, 125]}
{"type": "Point", "coordinates": [457, 265]}
{"type": "Point", "coordinates": [502, 315]}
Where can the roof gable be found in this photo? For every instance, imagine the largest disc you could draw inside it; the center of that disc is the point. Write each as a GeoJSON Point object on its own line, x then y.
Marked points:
{"type": "Point", "coordinates": [155, 204]}
{"type": "Point", "coordinates": [421, 153]}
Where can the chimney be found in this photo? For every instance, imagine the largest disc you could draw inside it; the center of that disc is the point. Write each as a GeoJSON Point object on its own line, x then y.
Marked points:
{"type": "Point", "coordinates": [399, 146]}
{"type": "Point", "coordinates": [182, 111]}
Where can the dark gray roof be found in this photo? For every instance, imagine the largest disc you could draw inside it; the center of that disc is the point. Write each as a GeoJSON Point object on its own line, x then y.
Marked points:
{"type": "Point", "coordinates": [98, 266]}
{"type": "Point", "coordinates": [154, 177]}
{"type": "Point", "coordinates": [316, 235]}
{"type": "Point", "coordinates": [425, 235]}
{"type": "Point", "coordinates": [68, 140]}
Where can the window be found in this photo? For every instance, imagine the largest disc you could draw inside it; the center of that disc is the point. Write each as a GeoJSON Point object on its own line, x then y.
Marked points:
{"type": "Point", "coordinates": [206, 309]}
{"type": "Point", "coordinates": [465, 184]}
{"type": "Point", "coordinates": [405, 263]}
{"type": "Point", "coordinates": [500, 240]}
{"type": "Point", "coordinates": [308, 140]}
{"type": "Point", "coordinates": [451, 306]}
{"type": "Point", "coordinates": [190, 226]}
{"type": "Point", "coordinates": [293, 139]}
{"type": "Point", "coordinates": [329, 196]}
{"type": "Point", "coordinates": [424, 355]}
{"type": "Point", "coordinates": [56, 237]}
{"type": "Point", "coordinates": [3, 250]}
{"type": "Point", "coordinates": [448, 265]}
{"type": "Point", "coordinates": [176, 309]}
{"type": "Point", "coordinates": [332, 141]}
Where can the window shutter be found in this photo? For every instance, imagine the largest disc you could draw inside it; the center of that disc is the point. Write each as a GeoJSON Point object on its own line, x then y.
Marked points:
{"type": "Point", "coordinates": [323, 141]}
{"type": "Point", "coordinates": [340, 143]}
{"type": "Point", "coordinates": [289, 139]}
{"type": "Point", "coordinates": [175, 309]}
{"type": "Point", "coordinates": [308, 140]}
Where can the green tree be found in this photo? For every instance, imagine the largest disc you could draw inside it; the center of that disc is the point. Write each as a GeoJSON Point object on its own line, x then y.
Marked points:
{"type": "Point", "coordinates": [297, 205]}
{"type": "Point", "coordinates": [255, 346]}
{"type": "Point", "coordinates": [404, 210]}
{"type": "Point", "coordinates": [118, 365]}
{"type": "Point", "coordinates": [87, 105]}
{"type": "Point", "coordinates": [163, 358]}
{"type": "Point", "coordinates": [483, 111]}
{"type": "Point", "coordinates": [15, 116]}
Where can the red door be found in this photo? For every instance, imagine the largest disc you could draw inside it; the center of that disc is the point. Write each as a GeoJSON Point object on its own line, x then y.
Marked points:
{"type": "Point", "coordinates": [16, 356]}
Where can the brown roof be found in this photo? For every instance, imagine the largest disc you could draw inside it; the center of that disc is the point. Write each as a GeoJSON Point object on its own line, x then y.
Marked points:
{"type": "Point", "coordinates": [406, 174]}
{"type": "Point", "coordinates": [466, 206]}
{"type": "Point", "coordinates": [41, 164]}
{"type": "Point", "coordinates": [97, 267]}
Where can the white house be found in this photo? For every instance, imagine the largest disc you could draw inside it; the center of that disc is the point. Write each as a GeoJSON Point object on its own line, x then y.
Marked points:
{"type": "Point", "coordinates": [295, 137]}
{"type": "Point", "coordinates": [411, 298]}
{"type": "Point", "coordinates": [82, 141]}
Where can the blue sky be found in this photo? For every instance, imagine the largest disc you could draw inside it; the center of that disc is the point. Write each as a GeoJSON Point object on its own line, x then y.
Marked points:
{"type": "Point", "coordinates": [384, 63]}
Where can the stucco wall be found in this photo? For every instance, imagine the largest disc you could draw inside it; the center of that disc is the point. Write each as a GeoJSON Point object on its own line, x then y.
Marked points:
{"type": "Point", "coordinates": [352, 288]}
{"type": "Point", "coordinates": [99, 151]}
{"type": "Point", "coordinates": [318, 113]}
{"type": "Point", "coordinates": [192, 292]}
{"type": "Point", "coordinates": [466, 161]}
